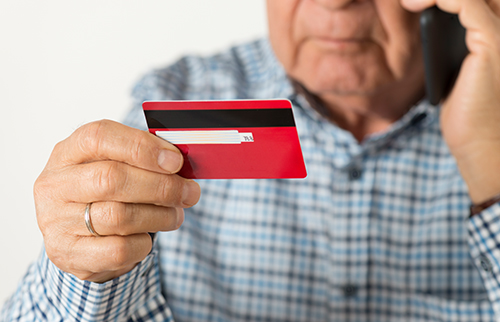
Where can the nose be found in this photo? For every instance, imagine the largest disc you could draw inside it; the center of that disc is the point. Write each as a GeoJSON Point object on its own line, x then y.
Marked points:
{"type": "Point", "coordinates": [335, 4]}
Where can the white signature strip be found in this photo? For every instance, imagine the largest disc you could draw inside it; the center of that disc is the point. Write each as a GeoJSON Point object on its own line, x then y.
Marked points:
{"type": "Point", "coordinates": [205, 137]}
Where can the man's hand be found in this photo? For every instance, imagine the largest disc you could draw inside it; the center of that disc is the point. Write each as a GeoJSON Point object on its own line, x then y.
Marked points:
{"type": "Point", "coordinates": [470, 116]}
{"type": "Point", "coordinates": [129, 177]}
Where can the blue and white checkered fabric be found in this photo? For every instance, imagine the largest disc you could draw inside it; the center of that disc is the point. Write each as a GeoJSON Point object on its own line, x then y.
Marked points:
{"type": "Point", "coordinates": [378, 231]}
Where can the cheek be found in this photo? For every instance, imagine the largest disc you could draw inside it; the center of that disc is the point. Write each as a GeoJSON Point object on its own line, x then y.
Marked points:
{"type": "Point", "coordinates": [323, 72]}
{"type": "Point", "coordinates": [402, 44]}
{"type": "Point", "coordinates": [281, 15]}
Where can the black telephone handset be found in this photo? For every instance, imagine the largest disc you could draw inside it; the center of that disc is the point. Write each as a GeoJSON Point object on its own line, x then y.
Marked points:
{"type": "Point", "coordinates": [444, 49]}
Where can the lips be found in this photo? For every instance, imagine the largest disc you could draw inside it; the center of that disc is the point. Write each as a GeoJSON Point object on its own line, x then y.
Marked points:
{"type": "Point", "coordinates": [353, 26]}
{"type": "Point", "coordinates": [347, 45]}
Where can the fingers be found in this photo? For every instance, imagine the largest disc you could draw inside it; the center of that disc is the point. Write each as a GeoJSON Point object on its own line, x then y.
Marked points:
{"type": "Point", "coordinates": [115, 218]}
{"type": "Point", "coordinates": [453, 6]}
{"type": "Point", "coordinates": [481, 22]}
{"type": "Point", "coordinates": [495, 6]}
{"type": "Point", "coordinates": [417, 5]}
{"type": "Point", "coordinates": [116, 181]}
{"type": "Point", "coordinates": [85, 257]}
{"type": "Point", "coordinates": [108, 140]}
{"type": "Point", "coordinates": [111, 218]}
{"type": "Point", "coordinates": [481, 18]}
{"type": "Point", "coordinates": [129, 177]}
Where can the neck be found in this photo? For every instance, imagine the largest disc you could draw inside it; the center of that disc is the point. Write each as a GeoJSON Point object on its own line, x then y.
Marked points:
{"type": "Point", "coordinates": [366, 115]}
{"type": "Point", "coordinates": [363, 115]}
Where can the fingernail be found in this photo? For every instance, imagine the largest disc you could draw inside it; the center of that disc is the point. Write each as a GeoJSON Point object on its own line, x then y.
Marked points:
{"type": "Point", "coordinates": [190, 193]}
{"type": "Point", "coordinates": [170, 161]}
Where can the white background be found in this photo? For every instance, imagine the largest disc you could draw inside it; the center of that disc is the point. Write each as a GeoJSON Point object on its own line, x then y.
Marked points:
{"type": "Point", "coordinates": [65, 63]}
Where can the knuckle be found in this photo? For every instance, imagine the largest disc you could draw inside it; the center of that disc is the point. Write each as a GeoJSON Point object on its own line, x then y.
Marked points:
{"type": "Point", "coordinates": [51, 252]}
{"type": "Point", "coordinates": [57, 152]}
{"type": "Point", "coordinates": [169, 189]}
{"type": "Point", "coordinates": [45, 224]}
{"type": "Point", "coordinates": [44, 200]}
{"type": "Point", "coordinates": [62, 256]}
{"type": "Point", "coordinates": [41, 186]}
{"type": "Point", "coordinates": [91, 136]}
{"type": "Point", "coordinates": [58, 147]}
{"type": "Point", "coordinates": [108, 178]}
{"type": "Point", "coordinates": [118, 220]}
{"type": "Point", "coordinates": [120, 253]}
{"type": "Point", "coordinates": [138, 146]}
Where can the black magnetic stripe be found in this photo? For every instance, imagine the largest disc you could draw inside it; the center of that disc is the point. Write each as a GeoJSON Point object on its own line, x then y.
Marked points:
{"type": "Point", "coordinates": [219, 118]}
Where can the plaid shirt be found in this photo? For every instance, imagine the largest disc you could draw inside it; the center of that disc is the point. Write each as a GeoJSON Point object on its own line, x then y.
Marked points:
{"type": "Point", "coordinates": [378, 231]}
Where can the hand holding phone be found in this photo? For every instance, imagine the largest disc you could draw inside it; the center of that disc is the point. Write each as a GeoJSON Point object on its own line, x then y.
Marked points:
{"type": "Point", "coordinates": [444, 49]}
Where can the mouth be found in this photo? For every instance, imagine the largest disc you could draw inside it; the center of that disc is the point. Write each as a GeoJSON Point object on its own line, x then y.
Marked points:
{"type": "Point", "coordinates": [346, 45]}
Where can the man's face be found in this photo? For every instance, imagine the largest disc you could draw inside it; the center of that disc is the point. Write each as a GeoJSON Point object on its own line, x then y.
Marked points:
{"type": "Point", "coordinates": [347, 47]}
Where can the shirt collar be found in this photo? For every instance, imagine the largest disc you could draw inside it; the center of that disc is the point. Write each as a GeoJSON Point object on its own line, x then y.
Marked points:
{"type": "Point", "coordinates": [276, 83]}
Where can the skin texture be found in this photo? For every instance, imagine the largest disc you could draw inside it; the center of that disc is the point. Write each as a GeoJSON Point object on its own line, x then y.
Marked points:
{"type": "Point", "coordinates": [470, 116]}
{"type": "Point", "coordinates": [354, 55]}
{"type": "Point", "coordinates": [129, 177]}
{"type": "Point", "coordinates": [362, 58]}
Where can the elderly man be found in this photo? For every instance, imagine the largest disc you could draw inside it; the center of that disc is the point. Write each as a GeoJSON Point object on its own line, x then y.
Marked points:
{"type": "Point", "coordinates": [380, 230]}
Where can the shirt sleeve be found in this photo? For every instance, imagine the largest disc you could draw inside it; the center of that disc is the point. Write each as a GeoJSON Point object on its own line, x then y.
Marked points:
{"type": "Point", "coordinates": [48, 294]}
{"type": "Point", "coordinates": [484, 231]}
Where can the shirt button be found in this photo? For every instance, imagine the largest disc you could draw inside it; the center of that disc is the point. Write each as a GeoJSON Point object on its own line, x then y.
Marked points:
{"type": "Point", "coordinates": [350, 290]}
{"type": "Point", "coordinates": [485, 263]}
{"type": "Point", "coordinates": [355, 173]}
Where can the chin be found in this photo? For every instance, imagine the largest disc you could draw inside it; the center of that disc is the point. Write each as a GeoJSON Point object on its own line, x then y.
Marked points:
{"type": "Point", "coordinates": [341, 75]}
{"type": "Point", "coordinates": [344, 84]}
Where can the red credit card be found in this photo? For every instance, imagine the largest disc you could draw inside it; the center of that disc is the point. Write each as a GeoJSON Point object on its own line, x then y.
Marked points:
{"type": "Point", "coordinates": [237, 139]}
